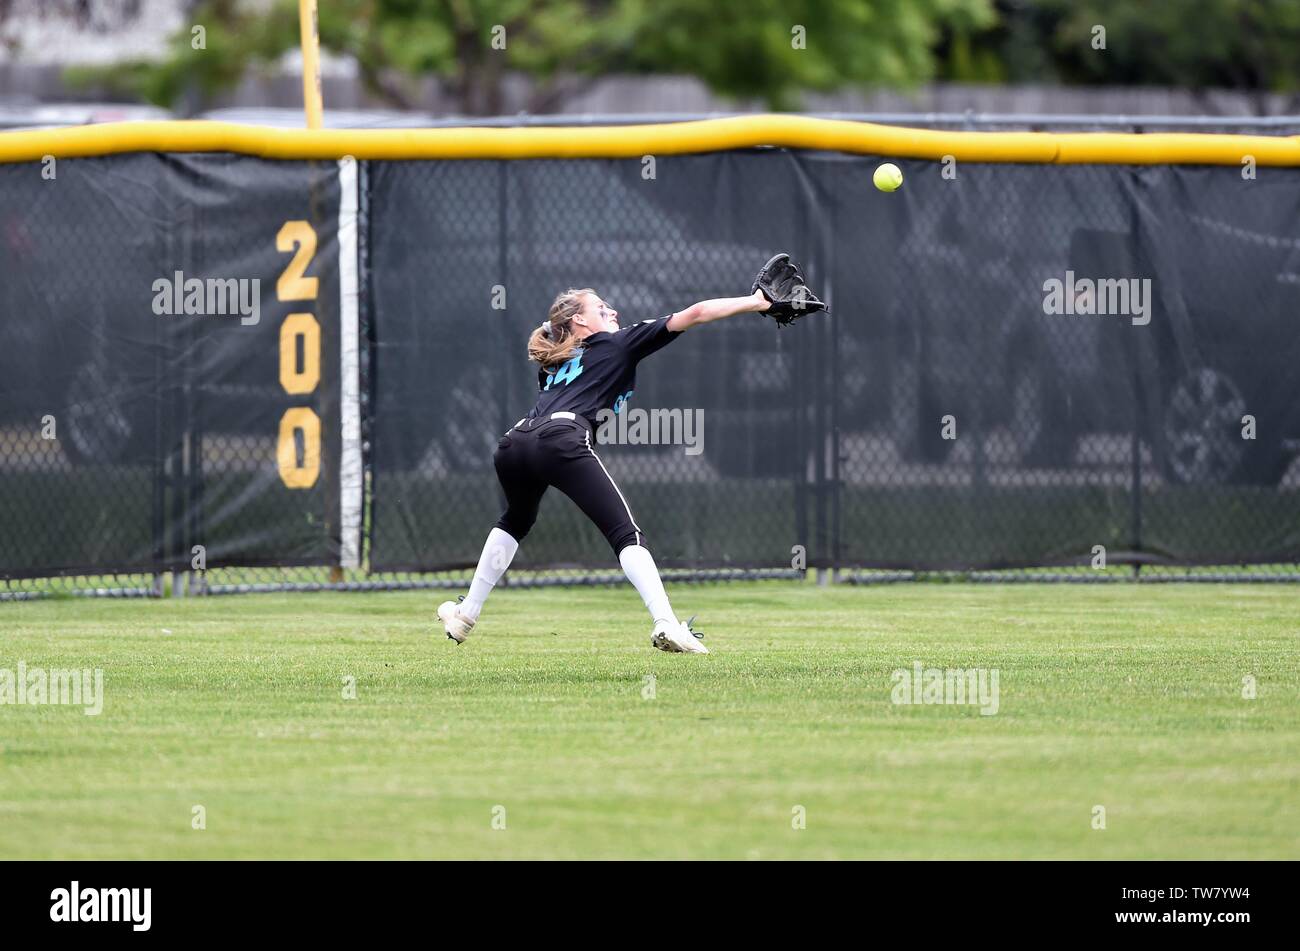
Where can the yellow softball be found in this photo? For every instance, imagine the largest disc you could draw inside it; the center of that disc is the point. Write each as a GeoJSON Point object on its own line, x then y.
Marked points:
{"type": "Point", "coordinates": [888, 177]}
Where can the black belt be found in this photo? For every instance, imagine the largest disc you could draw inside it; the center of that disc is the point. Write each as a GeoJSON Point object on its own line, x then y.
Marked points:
{"type": "Point", "coordinates": [527, 425]}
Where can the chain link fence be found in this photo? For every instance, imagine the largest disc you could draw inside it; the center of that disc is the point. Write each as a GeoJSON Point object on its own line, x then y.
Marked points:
{"type": "Point", "coordinates": [955, 418]}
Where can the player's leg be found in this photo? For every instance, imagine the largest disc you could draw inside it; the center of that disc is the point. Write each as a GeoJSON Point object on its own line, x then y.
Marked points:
{"type": "Point", "coordinates": [579, 473]}
{"type": "Point", "coordinates": [523, 492]}
{"type": "Point", "coordinates": [498, 551]}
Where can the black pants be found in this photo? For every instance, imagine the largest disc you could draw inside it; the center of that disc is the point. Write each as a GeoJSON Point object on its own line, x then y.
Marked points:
{"type": "Point", "coordinates": [539, 453]}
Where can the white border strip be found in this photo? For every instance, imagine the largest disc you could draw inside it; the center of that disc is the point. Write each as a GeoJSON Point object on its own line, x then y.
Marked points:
{"type": "Point", "coordinates": [350, 475]}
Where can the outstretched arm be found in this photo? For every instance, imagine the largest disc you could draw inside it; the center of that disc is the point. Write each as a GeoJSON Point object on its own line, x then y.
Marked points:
{"type": "Point", "coordinates": [707, 310]}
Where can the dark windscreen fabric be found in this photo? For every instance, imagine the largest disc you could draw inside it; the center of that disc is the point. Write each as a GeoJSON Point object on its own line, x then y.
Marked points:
{"type": "Point", "coordinates": [452, 373]}
{"type": "Point", "coordinates": [941, 418]}
{"type": "Point", "coordinates": [128, 437]}
{"type": "Point", "coordinates": [946, 415]}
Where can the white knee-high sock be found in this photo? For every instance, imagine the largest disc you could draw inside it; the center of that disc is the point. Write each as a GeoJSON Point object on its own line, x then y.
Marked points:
{"type": "Point", "coordinates": [498, 551]}
{"type": "Point", "coordinates": [639, 566]}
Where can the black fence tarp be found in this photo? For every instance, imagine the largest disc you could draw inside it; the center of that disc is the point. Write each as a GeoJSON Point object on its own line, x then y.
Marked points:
{"type": "Point", "coordinates": [452, 373]}
{"type": "Point", "coordinates": [943, 417]}
{"type": "Point", "coordinates": [164, 426]}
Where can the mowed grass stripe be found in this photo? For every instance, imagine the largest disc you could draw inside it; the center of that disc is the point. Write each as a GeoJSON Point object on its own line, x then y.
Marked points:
{"type": "Point", "coordinates": [1129, 697]}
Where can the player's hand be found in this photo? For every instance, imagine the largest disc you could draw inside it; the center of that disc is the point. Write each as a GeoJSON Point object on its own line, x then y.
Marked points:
{"type": "Point", "coordinates": [761, 303]}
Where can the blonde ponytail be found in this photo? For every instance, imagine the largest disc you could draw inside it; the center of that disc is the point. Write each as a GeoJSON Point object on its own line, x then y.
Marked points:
{"type": "Point", "coordinates": [553, 342]}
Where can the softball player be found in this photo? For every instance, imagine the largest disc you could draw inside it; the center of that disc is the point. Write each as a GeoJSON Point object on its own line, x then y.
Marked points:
{"type": "Point", "coordinates": [588, 363]}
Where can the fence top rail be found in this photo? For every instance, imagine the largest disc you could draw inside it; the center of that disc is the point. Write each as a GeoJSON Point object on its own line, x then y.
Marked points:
{"type": "Point", "coordinates": [635, 141]}
{"type": "Point", "coordinates": [969, 118]}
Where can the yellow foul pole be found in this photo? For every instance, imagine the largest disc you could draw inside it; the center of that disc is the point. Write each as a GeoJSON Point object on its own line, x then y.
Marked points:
{"type": "Point", "coordinates": [311, 96]}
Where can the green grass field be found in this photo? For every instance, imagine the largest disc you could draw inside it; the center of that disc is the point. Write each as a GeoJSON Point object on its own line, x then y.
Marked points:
{"type": "Point", "coordinates": [1123, 696]}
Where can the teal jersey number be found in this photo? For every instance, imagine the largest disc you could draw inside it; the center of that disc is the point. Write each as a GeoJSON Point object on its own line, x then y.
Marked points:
{"type": "Point", "coordinates": [565, 374]}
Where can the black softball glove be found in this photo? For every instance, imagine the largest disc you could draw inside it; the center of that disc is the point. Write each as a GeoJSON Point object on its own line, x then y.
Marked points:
{"type": "Point", "coordinates": [783, 285]}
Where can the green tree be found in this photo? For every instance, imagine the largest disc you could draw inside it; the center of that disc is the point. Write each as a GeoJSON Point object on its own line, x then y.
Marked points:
{"type": "Point", "coordinates": [770, 49]}
{"type": "Point", "coordinates": [1246, 45]}
{"type": "Point", "coordinates": [1249, 45]}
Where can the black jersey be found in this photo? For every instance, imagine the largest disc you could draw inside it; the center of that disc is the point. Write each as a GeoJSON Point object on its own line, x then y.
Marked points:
{"type": "Point", "coordinates": [602, 373]}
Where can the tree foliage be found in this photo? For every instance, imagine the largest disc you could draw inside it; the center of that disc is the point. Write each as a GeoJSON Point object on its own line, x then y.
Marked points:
{"type": "Point", "coordinates": [1247, 45]}
{"type": "Point", "coordinates": [739, 48]}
